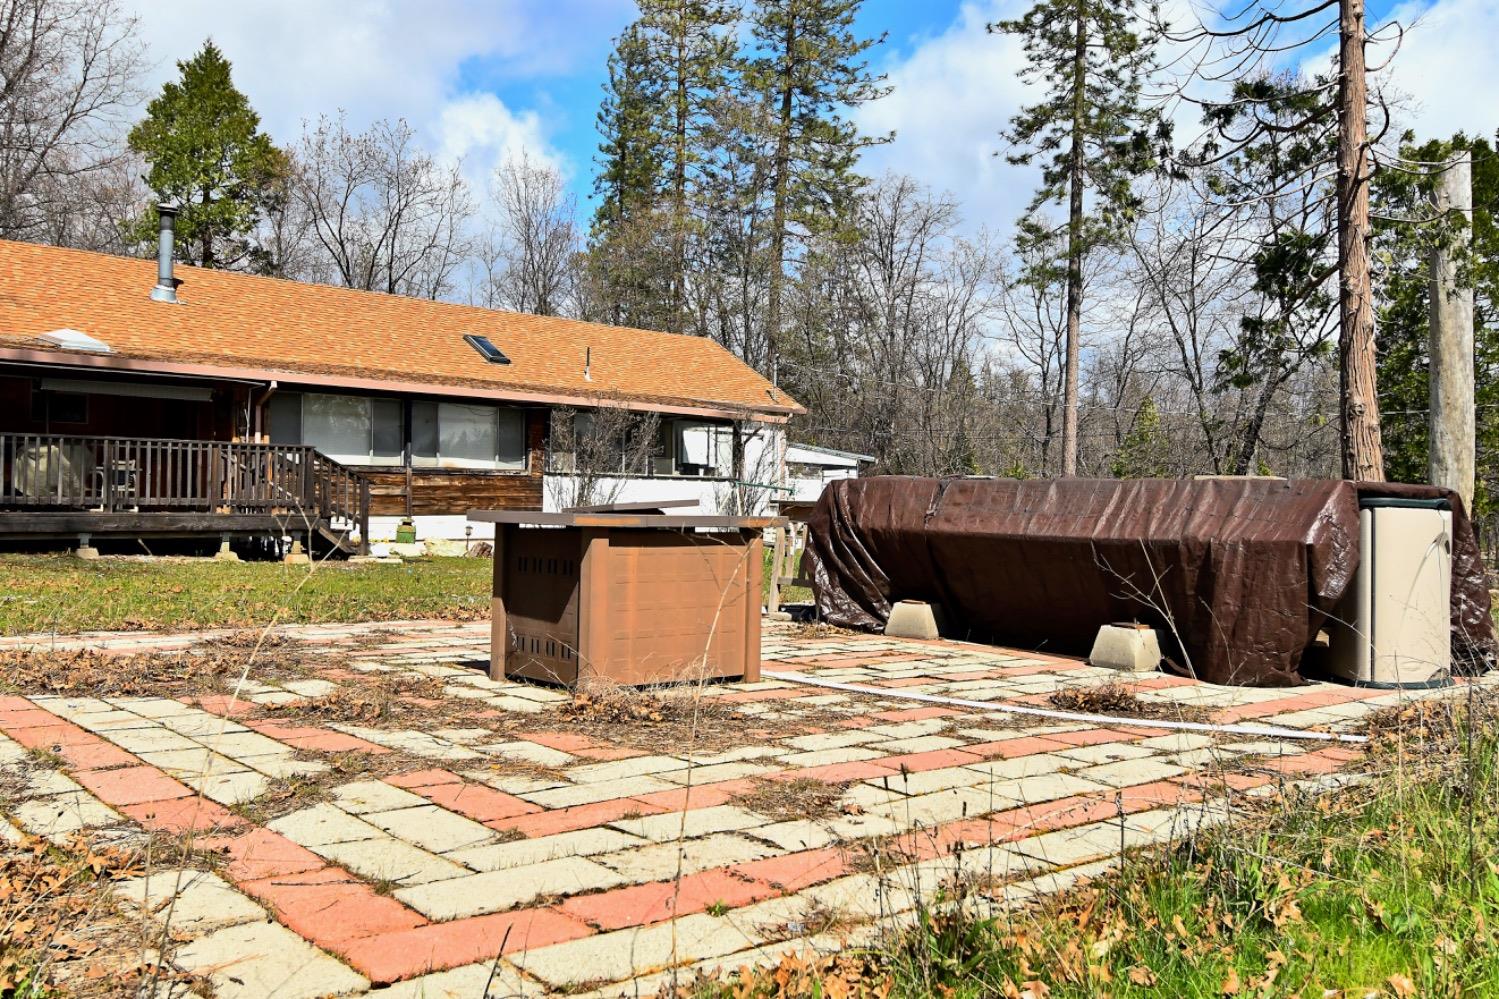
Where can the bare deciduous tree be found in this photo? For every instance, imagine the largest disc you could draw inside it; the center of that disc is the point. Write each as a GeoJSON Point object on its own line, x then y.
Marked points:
{"type": "Point", "coordinates": [531, 253]}
{"type": "Point", "coordinates": [68, 78]}
{"type": "Point", "coordinates": [387, 214]}
{"type": "Point", "coordinates": [591, 452]}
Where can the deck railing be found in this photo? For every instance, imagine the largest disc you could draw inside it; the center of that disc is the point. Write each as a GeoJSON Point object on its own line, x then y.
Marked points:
{"type": "Point", "coordinates": [134, 474]}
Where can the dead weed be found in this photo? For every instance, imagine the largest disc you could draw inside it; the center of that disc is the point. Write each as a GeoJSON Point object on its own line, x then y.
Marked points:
{"type": "Point", "coordinates": [97, 674]}
{"type": "Point", "coordinates": [1115, 698]}
{"type": "Point", "coordinates": [798, 798]}
{"type": "Point", "coordinates": [375, 698]}
{"type": "Point", "coordinates": [61, 929]}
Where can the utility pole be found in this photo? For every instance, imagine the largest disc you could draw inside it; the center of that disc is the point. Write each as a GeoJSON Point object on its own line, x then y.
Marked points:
{"type": "Point", "coordinates": [1363, 450]}
{"type": "Point", "coordinates": [1451, 417]}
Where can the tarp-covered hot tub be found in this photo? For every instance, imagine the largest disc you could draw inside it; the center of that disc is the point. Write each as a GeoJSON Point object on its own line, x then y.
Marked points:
{"type": "Point", "coordinates": [1236, 575]}
{"type": "Point", "coordinates": [630, 596]}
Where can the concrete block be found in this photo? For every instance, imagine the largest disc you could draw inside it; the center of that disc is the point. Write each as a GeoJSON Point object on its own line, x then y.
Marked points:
{"type": "Point", "coordinates": [1129, 647]}
{"type": "Point", "coordinates": [912, 619]}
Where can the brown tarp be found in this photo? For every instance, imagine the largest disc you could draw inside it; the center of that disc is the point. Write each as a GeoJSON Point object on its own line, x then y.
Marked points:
{"type": "Point", "coordinates": [1236, 575]}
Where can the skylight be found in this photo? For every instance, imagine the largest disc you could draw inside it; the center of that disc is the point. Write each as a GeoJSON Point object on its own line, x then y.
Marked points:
{"type": "Point", "coordinates": [487, 350]}
{"type": "Point", "coordinates": [68, 339]}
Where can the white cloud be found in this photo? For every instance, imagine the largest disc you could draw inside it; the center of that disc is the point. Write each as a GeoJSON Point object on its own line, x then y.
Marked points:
{"type": "Point", "coordinates": [954, 93]}
{"type": "Point", "coordinates": [1445, 66]}
{"type": "Point", "coordinates": [482, 132]}
{"type": "Point", "coordinates": [957, 90]}
{"type": "Point", "coordinates": [297, 59]}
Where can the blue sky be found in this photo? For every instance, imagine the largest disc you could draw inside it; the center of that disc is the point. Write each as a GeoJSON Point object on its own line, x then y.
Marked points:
{"type": "Point", "coordinates": [484, 79]}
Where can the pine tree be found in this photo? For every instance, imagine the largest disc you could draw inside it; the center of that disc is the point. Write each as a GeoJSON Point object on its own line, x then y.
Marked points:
{"type": "Point", "coordinates": [630, 154]}
{"type": "Point", "coordinates": [206, 153]}
{"type": "Point", "coordinates": [1142, 453]}
{"type": "Point", "coordinates": [1289, 322]}
{"type": "Point", "coordinates": [668, 70]}
{"type": "Point", "coordinates": [1091, 133]}
{"type": "Point", "coordinates": [805, 74]}
{"type": "Point", "coordinates": [627, 261]}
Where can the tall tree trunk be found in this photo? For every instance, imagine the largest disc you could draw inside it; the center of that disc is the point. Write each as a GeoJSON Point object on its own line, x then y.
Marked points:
{"type": "Point", "coordinates": [1363, 450]}
{"type": "Point", "coordinates": [1075, 242]}
{"type": "Point", "coordinates": [679, 181]}
{"type": "Point", "coordinates": [1451, 457]}
{"type": "Point", "coordinates": [780, 181]}
{"type": "Point", "coordinates": [1249, 440]}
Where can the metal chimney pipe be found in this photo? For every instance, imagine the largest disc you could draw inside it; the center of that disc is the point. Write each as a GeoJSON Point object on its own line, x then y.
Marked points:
{"type": "Point", "coordinates": [166, 284]}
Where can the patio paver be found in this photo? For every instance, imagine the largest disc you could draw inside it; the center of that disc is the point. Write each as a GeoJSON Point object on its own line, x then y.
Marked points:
{"type": "Point", "coordinates": [503, 843]}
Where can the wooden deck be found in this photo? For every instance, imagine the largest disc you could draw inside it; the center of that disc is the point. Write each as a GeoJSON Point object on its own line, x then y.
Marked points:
{"type": "Point", "coordinates": [54, 486]}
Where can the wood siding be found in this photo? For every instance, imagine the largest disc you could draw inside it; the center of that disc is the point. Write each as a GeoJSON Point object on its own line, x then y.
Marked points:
{"type": "Point", "coordinates": [439, 491]}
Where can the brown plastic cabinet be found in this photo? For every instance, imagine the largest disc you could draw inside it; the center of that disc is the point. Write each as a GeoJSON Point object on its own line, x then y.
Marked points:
{"type": "Point", "coordinates": [637, 598]}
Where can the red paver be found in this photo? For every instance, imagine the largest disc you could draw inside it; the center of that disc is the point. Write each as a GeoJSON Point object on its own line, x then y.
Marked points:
{"type": "Point", "coordinates": [330, 906]}
{"type": "Point", "coordinates": [392, 957]}
{"type": "Point", "coordinates": [1306, 763]}
{"type": "Point", "coordinates": [1215, 783]}
{"type": "Point", "coordinates": [838, 773]}
{"type": "Point", "coordinates": [480, 803]}
{"type": "Point", "coordinates": [680, 799]}
{"type": "Point", "coordinates": [423, 778]}
{"type": "Point", "coordinates": [1089, 737]}
{"type": "Point", "coordinates": [261, 853]}
{"type": "Point", "coordinates": [559, 820]}
{"type": "Point", "coordinates": [180, 815]}
{"type": "Point", "coordinates": [96, 755]}
{"type": "Point", "coordinates": [14, 702]}
{"type": "Point", "coordinates": [51, 736]}
{"type": "Point", "coordinates": [222, 704]}
{"type": "Point", "coordinates": [1009, 749]}
{"type": "Point", "coordinates": [640, 905]}
{"type": "Point", "coordinates": [936, 759]}
{"type": "Point", "coordinates": [26, 717]}
{"type": "Point", "coordinates": [132, 785]}
{"type": "Point", "coordinates": [916, 714]}
{"type": "Point", "coordinates": [791, 872]}
{"type": "Point", "coordinates": [563, 742]}
{"type": "Point", "coordinates": [1050, 816]}
{"type": "Point", "coordinates": [1156, 794]}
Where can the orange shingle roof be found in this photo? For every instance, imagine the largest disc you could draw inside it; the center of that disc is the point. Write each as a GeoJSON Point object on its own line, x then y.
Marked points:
{"type": "Point", "coordinates": [243, 321]}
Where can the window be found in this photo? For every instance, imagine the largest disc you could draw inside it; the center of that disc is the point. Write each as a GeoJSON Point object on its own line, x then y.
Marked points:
{"type": "Point", "coordinates": [354, 429]}
{"type": "Point", "coordinates": [700, 448]}
{"type": "Point", "coordinates": [455, 435]}
{"type": "Point", "coordinates": [58, 407]}
{"type": "Point", "coordinates": [486, 349]}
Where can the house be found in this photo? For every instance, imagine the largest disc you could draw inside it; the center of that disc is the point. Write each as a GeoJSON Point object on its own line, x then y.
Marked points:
{"type": "Point", "coordinates": [809, 468]}
{"type": "Point", "coordinates": [141, 400]}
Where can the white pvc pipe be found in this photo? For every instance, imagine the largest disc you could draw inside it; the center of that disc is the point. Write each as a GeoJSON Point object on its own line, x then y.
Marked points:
{"type": "Point", "coordinates": [1108, 721]}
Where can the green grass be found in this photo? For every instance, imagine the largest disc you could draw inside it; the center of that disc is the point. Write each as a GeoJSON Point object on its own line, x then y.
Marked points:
{"type": "Point", "coordinates": [789, 594]}
{"type": "Point", "coordinates": [47, 593]}
{"type": "Point", "coordinates": [1390, 889]}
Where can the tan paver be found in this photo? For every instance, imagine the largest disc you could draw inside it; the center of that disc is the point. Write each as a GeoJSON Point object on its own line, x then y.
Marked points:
{"type": "Point", "coordinates": [322, 824]}
{"type": "Point", "coordinates": [663, 861]}
{"type": "Point", "coordinates": [431, 828]}
{"type": "Point", "coordinates": [694, 822]}
{"type": "Point", "coordinates": [496, 891]}
{"type": "Point", "coordinates": [388, 859]}
{"type": "Point", "coordinates": [203, 901]}
{"type": "Point", "coordinates": [521, 853]}
{"type": "Point", "coordinates": [258, 960]}
{"type": "Point", "coordinates": [625, 953]}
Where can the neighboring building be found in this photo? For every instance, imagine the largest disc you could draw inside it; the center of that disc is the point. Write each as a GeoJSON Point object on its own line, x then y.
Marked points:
{"type": "Point", "coordinates": [809, 468]}
{"type": "Point", "coordinates": [251, 405]}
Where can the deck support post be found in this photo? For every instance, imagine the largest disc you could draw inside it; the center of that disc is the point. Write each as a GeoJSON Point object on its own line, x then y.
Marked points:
{"type": "Point", "coordinates": [85, 550]}
{"type": "Point", "coordinates": [297, 555]}
{"type": "Point", "coordinates": [225, 553]}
